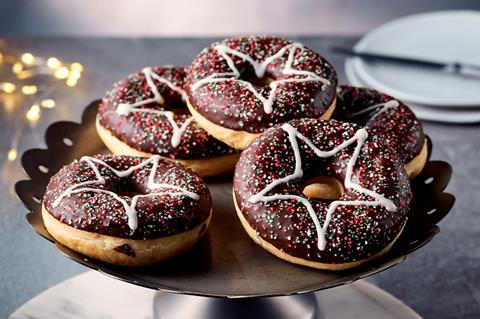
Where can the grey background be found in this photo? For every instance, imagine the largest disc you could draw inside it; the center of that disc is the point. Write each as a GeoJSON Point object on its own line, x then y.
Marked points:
{"type": "Point", "coordinates": [208, 17]}
{"type": "Point", "coordinates": [439, 281]}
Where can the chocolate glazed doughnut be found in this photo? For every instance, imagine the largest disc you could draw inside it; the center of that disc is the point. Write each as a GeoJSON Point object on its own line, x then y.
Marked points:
{"type": "Point", "coordinates": [324, 194]}
{"type": "Point", "coordinates": [145, 114]}
{"type": "Point", "coordinates": [239, 87]}
{"type": "Point", "coordinates": [125, 210]}
{"type": "Point", "coordinates": [386, 117]}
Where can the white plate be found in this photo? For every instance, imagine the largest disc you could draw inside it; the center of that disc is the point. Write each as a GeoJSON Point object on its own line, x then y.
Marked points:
{"type": "Point", "coordinates": [423, 112]}
{"type": "Point", "coordinates": [445, 36]}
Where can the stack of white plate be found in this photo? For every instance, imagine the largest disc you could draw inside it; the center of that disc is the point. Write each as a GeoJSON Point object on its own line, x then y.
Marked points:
{"type": "Point", "coordinates": [433, 94]}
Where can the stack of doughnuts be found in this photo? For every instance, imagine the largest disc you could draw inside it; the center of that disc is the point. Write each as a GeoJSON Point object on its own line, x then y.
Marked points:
{"type": "Point", "coordinates": [321, 172]}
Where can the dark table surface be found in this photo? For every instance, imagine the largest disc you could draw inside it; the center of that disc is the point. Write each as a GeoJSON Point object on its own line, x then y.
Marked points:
{"type": "Point", "coordinates": [442, 280]}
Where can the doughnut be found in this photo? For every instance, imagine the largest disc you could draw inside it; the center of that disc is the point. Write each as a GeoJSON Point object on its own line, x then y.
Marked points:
{"type": "Point", "coordinates": [386, 117]}
{"type": "Point", "coordinates": [145, 114]}
{"type": "Point", "coordinates": [239, 87]}
{"type": "Point", "coordinates": [324, 194]}
{"type": "Point", "coordinates": [126, 210]}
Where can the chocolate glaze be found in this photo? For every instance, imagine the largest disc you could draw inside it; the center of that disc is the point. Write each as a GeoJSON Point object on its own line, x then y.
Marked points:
{"type": "Point", "coordinates": [231, 105]}
{"type": "Point", "coordinates": [355, 232]}
{"type": "Point", "coordinates": [151, 132]}
{"type": "Point", "coordinates": [158, 216]}
{"type": "Point", "coordinates": [399, 126]}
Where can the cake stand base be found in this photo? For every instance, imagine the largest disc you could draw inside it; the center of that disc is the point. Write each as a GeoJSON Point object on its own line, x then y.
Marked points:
{"type": "Point", "coordinates": [93, 295]}
{"type": "Point", "coordinates": [174, 306]}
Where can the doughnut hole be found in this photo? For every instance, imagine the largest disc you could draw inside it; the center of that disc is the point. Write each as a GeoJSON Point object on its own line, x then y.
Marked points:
{"type": "Point", "coordinates": [323, 188]}
{"type": "Point", "coordinates": [129, 193]}
{"type": "Point", "coordinates": [250, 76]}
{"type": "Point", "coordinates": [178, 110]}
{"type": "Point", "coordinates": [263, 81]}
{"type": "Point", "coordinates": [127, 187]}
{"type": "Point", "coordinates": [177, 107]}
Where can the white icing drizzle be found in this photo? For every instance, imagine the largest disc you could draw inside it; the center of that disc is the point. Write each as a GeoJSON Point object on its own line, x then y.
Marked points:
{"type": "Point", "coordinates": [260, 69]}
{"type": "Point", "coordinates": [130, 209]}
{"type": "Point", "coordinates": [177, 132]}
{"type": "Point", "coordinates": [383, 108]}
{"type": "Point", "coordinates": [359, 137]}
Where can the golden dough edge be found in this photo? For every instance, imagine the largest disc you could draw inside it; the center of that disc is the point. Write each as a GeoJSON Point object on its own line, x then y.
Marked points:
{"type": "Point", "coordinates": [101, 247]}
{"type": "Point", "coordinates": [299, 261]}
{"type": "Point", "coordinates": [207, 167]}
{"type": "Point", "coordinates": [238, 140]}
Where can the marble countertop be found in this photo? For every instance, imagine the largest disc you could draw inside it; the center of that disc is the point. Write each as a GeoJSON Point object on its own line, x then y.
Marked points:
{"type": "Point", "coordinates": [75, 299]}
{"type": "Point", "coordinates": [442, 280]}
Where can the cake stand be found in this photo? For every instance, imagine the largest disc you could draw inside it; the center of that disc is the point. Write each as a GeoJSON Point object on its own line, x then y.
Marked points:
{"type": "Point", "coordinates": [225, 275]}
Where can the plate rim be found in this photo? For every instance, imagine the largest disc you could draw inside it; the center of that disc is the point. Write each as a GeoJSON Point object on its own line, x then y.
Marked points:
{"type": "Point", "coordinates": [354, 79]}
{"type": "Point", "coordinates": [359, 65]}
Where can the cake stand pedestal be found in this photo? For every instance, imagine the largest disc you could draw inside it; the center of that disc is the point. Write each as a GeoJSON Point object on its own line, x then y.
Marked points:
{"type": "Point", "coordinates": [92, 295]}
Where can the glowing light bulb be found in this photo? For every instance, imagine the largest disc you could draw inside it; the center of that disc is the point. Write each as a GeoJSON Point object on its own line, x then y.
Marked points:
{"type": "Point", "coordinates": [53, 63]}
{"type": "Point", "coordinates": [74, 74]}
{"type": "Point", "coordinates": [28, 58]}
{"type": "Point", "coordinates": [8, 87]}
{"type": "Point", "coordinates": [71, 82]}
{"type": "Point", "coordinates": [1, 57]}
{"type": "Point", "coordinates": [17, 67]}
{"type": "Point", "coordinates": [12, 154]}
{"type": "Point", "coordinates": [76, 67]}
{"type": "Point", "coordinates": [48, 103]}
{"type": "Point", "coordinates": [33, 114]}
{"type": "Point", "coordinates": [61, 73]}
{"type": "Point", "coordinates": [29, 89]}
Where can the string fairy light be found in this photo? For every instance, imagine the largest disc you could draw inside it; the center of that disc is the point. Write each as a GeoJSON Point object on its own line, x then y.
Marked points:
{"type": "Point", "coordinates": [12, 154]}
{"type": "Point", "coordinates": [61, 73]}
{"type": "Point", "coordinates": [74, 74]}
{"type": "Point", "coordinates": [27, 58]}
{"type": "Point", "coordinates": [29, 89]}
{"type": "Point", "coordinates": [47, 103]}
{"type": "Point", "coordinates": [7, 87]}
{"type": "Point", "coordinates": [71, 82]}
{"type": "Point", "coordinates": [53, 63]}
{"type": "Point", "coordinates": [28, 66]}
{"type": "Point", "coordinates": [75, 66]}
{"type": "Point", "coordinates": [33, 113]}
{"type": "Point", "coordinates": [17, 67]}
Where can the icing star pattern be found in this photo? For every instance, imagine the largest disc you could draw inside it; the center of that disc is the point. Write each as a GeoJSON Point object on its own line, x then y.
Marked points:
{"type": "Point", "coordinates": [130, 210]}
{"type": "Point", "coordinates": [380, 108]}
{"type": "Point", "coordinates": [260, 68]}
{"type": "Point", "coordinates": [177, 131]}
{"type": "Point", "coordinates": [359, 138]}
